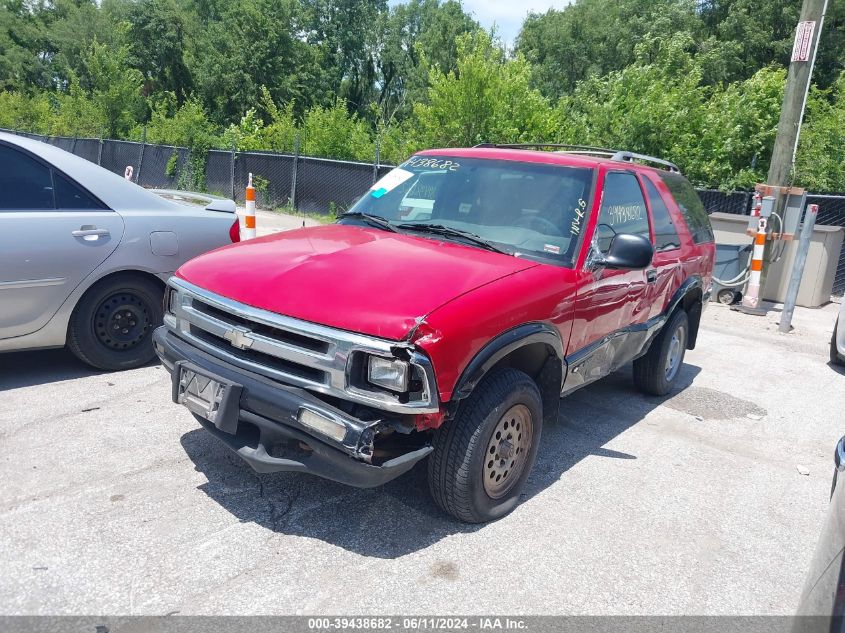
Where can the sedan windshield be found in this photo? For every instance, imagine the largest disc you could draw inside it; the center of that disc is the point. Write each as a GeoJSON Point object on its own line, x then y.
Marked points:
{"type": "Point", "coordinates": [531, 210]}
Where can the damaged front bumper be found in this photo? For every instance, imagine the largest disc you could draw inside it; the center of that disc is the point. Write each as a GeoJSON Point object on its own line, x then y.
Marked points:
{"type": "Point", "coordinates": [260, 420]}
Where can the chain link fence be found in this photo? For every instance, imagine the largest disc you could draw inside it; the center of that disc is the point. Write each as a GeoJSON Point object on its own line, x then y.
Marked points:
{"type": "Point", "coordinates": [313, 185]}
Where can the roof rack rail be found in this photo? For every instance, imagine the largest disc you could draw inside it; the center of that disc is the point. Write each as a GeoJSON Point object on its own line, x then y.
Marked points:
{"type": "Point", "coordinates": [613, 154]}
{"type": "Point", "coordinates": [580, 148]}
{"type": "Point", "coordinates": [630, 157]}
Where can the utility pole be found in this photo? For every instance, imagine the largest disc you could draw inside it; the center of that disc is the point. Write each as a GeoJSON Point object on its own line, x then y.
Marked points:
{"type": "Point", "coordinates": [803, 59]}
{"type": "Point", "coordinates": [795, 96]}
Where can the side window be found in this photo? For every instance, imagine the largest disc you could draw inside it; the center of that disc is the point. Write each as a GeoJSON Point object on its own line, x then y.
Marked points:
{"type": "Point", "coordinates": [70, 196]}
{"type": "Point", "coordinates": [622, 209]}
{"type": "Point", "coordinates": [25, 184]}
{"type": "Point", "coordinates": [691, 207]}
{"type": "Point", "coordinates": [665, 236]}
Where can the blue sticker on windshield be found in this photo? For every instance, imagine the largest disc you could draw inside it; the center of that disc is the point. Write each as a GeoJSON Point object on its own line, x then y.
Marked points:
{"type": "Point", "coordinates": [378, 193]}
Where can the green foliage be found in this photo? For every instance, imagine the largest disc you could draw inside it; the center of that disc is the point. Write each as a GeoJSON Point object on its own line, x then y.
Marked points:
{"type": "Point", "coordinates": [651, 107]}
{"type": "Point", "coordinates": [172, 164]}
{"type": "Point", "coordinates": [20, 112]}
{"type": "Point", "coordinates": [820, 165]}
{"type": "Point", "coordinates": [734, 143]}
{"type": "Point", "coordinates": [251, 133]}
{"type": "Point", "coordinates": [334, 133]}
{"type": "Point", "coordinates": [487, 99]}
{"type": "Point", "coordinates": [591, 38]}
{"type": "Point", "coordinates": [262, 189]}
{"type": "Point", "coordinates": [158, 33]}
{"type": "Point", "coordinates": [115, 88]}
{"type": "Point", "coordinates": [185, 126]}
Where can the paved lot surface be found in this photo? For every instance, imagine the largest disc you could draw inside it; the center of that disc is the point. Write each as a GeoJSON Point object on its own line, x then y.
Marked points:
{"type": "Point", "coordinates": [114, 501]}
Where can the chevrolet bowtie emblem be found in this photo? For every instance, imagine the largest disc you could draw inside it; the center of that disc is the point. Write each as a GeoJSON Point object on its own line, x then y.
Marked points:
{"type": "Point", "coordinates": [239, 337]}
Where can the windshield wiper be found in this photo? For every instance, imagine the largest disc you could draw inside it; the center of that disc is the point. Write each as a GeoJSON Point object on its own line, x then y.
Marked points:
{"type": "Point", "coordinates": [442, 229]}
{"type": "Point", "coordinates": [372, 220]}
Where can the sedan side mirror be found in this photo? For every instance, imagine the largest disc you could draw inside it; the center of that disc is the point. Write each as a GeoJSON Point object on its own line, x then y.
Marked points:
{"type": "Point", "coordinates": [632, 252]}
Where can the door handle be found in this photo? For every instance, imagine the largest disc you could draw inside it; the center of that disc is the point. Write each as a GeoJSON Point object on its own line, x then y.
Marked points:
{"type": "Point", "coordinates": [90, 231]}
{"type": "Point", "coordinates": [651, 276]}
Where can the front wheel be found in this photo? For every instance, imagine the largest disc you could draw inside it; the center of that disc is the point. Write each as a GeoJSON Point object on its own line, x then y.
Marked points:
{"type": "Point", "coordinates": [655, 373]}
{"type": "Point", "coordinates": [111, 327]}
{"type": "Point", "coordinates": [483, 457]}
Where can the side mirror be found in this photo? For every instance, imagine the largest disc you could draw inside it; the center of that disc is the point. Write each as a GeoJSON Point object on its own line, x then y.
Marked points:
{"type": "Point", "coordinates": [632, 252]}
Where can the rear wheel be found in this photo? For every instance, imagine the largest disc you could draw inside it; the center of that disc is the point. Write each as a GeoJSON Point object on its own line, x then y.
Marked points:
{"type": "Point", "coordinates": [483, 457]}
{"type": "Point", "coordinates": [656, 372]}
{"type": "Point", "coordinates": [111, 327]}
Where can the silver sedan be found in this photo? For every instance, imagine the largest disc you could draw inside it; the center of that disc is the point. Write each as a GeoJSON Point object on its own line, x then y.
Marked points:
{"type": "Point", "coordinates": [84, 253]}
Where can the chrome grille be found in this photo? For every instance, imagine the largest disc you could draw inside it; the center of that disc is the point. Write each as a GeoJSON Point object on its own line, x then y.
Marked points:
{"type": "Point", "coordinates": [288, 350]}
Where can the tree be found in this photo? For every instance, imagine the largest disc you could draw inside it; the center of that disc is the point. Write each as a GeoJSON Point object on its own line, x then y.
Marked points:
{"type": "Point", "coordinates": [415, 31]}
{"type": "Point", "coordinates": [21, 38]}
{"type": "Point", "coordinates": [819, 165]}
{"type": "Point", "coordinates": [345, 33]}
{"type": "Point", "coordinates": [256, 43]}
{"type": "Point", "coordinates": [333, 132]}
{"type": "Point", "coordinates": [653, 106]}
{"type": "Point", "coordinates": [114, 86]}
{"type": "Point", "coordinates": [486, 99]}
{"type": "Point", "coordinates": [594, 37]}
{"type": "Point", "coordinates": [739, 122]}
{"type": "Point", "coordinates": [158, 34]}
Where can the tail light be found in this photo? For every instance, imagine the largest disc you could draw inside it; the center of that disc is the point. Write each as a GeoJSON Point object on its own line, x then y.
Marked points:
{"type": "Point", "coordinates": [235, 230]}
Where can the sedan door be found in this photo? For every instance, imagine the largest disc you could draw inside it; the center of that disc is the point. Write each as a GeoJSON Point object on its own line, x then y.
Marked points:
{"type": "Point", "coordinates": [53, 234]}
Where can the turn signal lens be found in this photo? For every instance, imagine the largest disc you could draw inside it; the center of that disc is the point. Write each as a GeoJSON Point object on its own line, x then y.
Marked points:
{"type": "Point", "coordinates": [322, 424]}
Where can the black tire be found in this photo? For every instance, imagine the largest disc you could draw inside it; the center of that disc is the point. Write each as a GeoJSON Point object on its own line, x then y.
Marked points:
{"type": "Point", "coordinates": [651, 372]}
{"type": "Point", "coordinates": [457, 467]}
{"type": "Point", "coordinates": [92, 335]}
{"type": "Point", "coordinates": [834, 353]}
{"type": "Point", "coordinates": [726, 296]}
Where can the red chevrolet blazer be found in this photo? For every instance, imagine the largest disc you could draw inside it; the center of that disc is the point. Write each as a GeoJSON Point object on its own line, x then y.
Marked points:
{"type": "Point", "coordinates": [442, 317]}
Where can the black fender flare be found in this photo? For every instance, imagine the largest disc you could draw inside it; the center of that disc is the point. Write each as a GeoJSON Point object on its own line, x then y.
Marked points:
{"type": "Point", "coordinates": [693, 282]}
{"type": "Point", "coordinates": [502, 345]}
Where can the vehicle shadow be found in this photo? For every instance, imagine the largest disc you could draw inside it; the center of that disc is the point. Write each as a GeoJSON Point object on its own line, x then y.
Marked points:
{"type": "Point", "coordinates": [400, 518]}
{"type": "Point", "coordinates": [28, 369]}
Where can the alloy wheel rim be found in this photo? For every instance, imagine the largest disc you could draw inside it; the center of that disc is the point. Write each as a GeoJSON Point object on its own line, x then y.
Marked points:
{"type": "Point", "coordinates": [507, 451]}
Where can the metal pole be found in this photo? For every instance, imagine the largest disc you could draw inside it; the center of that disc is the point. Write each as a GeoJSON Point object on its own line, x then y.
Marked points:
{"type": "Point", "coordinates": [293, 177]}
{"type": "Point", "coordinates": [232, 172]}
{"type": "Point", "coordinates": [798, 268]}
{"type": "Point", "coordinates": [141, 157]}
{"type": "Point", "coordinates": [100, 151]}
{"type": "Point", "coordinates": [376, 162]}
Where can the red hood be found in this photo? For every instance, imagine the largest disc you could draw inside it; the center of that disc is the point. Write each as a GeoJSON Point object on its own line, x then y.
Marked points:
{"type": "Point", "coordinates": [357, 279]}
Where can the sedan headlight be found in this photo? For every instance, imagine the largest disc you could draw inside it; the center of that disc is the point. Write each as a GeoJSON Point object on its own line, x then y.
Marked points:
{"type": "Point", "coordinates": [389, 373]}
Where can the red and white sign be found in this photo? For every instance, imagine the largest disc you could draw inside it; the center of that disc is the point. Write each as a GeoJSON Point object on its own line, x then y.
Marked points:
{"type": "Point", "coordinates": [803, 41]}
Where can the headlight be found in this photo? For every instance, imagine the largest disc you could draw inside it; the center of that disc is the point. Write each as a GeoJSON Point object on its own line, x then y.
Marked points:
{"type": "Point", "coordinates": [389, 373]}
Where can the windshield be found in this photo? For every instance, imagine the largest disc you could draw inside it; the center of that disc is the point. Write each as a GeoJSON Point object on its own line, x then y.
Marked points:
{"type": "Point", "coordinates": [530, 210]}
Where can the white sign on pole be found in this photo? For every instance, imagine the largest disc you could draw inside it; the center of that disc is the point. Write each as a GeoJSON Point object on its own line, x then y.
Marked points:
{"type": "Point", "coordinates": [803, 41]}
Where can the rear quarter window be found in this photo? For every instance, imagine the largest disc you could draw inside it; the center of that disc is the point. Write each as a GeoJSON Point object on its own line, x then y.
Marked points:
{"type": "Point", "coordinates": [691, 207]}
